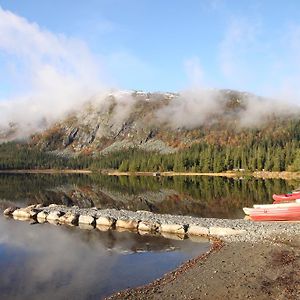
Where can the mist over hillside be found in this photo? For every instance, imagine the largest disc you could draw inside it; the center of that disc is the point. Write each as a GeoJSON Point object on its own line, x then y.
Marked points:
{"type": "Point", "coordinates": [162, 122]}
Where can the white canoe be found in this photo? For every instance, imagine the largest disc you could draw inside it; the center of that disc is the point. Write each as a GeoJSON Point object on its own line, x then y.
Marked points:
{"type": "Point", "coordinates": [290, 204]}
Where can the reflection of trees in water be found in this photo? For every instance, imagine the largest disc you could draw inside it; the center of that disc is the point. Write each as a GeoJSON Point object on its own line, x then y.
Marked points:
{"type": "Point", "coordinates": [200, 196]}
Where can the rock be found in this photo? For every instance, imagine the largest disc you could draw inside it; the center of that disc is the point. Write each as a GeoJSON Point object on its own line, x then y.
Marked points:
{"type": "Point", "coordinates": [173, 228]}
{"type": "Point", "coordinates": [148, 226]}
{"type": "Point", "coordinates": [21, 213]}
{"type": "Point", "coordinates": [106, 221]}
{"type": "Point", "coordinates": [54, 215]}
{"type": "Point", "coordinates": [34, 212]}
{"type": "Point", "coordinates": [70, 138]}
{"type": "Point", "coordinates": [84, 219]}
{"type": "Point", "coordinates": [223, 231]}
{"type": "Point", "coordinates": [52, 205]}
{"type": "Point", "coordinates": [69, 218]}
{"type": "Point", "coordinates": [42, 216]}
{"type": "Point", "coordinates": [198, 230]}
{"type": "Point", "coordinates": [21, 218]}
{"type": "Point", "coordinates": [173, 236]}
{"type": "Point", "coordinates": [53, 222]}
{"type": "Point", "coordinates": [41, 221]}
{"type": "Point", "coordinates": [9, 210]}
{"type": "Point", "coordinates": [86, 226]}
{"type": "Point", "coordinates": [102, 227]}
{"type": "Point", "coordinates": [127, 224]}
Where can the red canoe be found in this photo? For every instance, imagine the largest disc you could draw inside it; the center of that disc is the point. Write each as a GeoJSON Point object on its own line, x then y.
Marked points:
{"type": "Point", "coordinates": [287, 216]}
{"type": "Point", "coordinates": [286, 197]}
{"type": "Point", "coordinates": [277, 213]}
{"type": "Point", "coordinates": [271, 210]}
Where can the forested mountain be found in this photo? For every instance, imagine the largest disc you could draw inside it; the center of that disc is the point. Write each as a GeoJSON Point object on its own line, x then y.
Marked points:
{"type": "Point", "coordinates": [216, 131]}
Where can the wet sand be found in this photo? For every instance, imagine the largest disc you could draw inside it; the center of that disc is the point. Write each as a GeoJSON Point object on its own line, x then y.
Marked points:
{"type": "Point", "coordinates": [234, 270]}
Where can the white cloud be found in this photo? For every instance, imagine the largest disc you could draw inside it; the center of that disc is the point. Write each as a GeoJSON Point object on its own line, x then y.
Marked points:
{"type": "Point", "coordinates": [54, 72]}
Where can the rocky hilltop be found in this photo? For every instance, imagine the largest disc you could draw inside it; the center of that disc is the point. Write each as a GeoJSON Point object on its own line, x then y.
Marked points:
{"type": "Point", "coordinates": [200, 131]}
{"type": "Point", "coordinates": [159, 122]}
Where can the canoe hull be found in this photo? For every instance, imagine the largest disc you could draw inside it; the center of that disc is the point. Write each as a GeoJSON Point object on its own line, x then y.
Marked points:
{"type": "Point", "coordinates": [274, 213]}
{"type": "Point", "coordinates": [286, 197]}
{"type": "Point", "coordinates": [283, 217]}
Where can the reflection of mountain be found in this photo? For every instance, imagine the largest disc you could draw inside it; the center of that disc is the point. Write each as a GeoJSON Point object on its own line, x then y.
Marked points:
{"type": "Point", "coordinates": [196, 196]}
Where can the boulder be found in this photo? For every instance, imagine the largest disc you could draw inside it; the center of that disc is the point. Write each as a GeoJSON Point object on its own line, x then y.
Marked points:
{"type": "Point", "coordinates": [102, 227]}
{"type": "Point", "coordinates": [86, 226]}
{"type": "Point", "coordinates": [106, 221]}
{"type": "Point", "coordinates": [148, 226]}
{"type": "Point", "coordinates": [21, 213]}
{"type": "Point", "coordinates": [54, 215]}
{"type": "Point", "coordinates": [198, 230]}
{"type": "Point", "coordinates": [42, 216]}
{"type": "Point", "coordinates": [34, 212]}
{"type": "Point", "coordinates": [69, 218]}
{"type": "Point", "coordinates": [85, 219]}
{"type": "Point", "coordinates": [52, 205]}
{"type": "Point", "coordinates": [173, 228]}
{"type": "Point", "coordinates": [127, 224]}
{"type": "Point", "coordinates": [9, 210]}
{"type": "Point", "coordinates": [53, 222]}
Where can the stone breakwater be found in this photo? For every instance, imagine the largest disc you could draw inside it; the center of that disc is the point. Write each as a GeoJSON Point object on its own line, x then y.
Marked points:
{"type": "Point", "coordinates": [146, 222]}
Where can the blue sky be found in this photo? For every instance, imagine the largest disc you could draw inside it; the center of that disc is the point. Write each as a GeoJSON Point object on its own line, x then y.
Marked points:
{"type": "Point", "coordinates": [164, 45]}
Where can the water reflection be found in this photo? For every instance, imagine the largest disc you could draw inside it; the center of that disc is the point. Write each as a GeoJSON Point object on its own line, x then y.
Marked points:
{"type": "Point", "coordinates": [196, 196]}
{"type": "Point", "coordinates": [57, 262]}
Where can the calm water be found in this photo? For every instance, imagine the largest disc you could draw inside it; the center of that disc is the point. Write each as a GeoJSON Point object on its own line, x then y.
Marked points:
{"type": "Point", "coordinates": [44, 261]}
{"type": "Point", "coordinates": [197, 196]}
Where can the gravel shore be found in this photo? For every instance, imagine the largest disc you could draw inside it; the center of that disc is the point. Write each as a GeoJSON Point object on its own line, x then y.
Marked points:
{"type": "Point", "coordinates": [239, 270]}
{"type": "Point", "coordinates": [248, 259]}
{"type": "Point", "coordinates": [252, 232]}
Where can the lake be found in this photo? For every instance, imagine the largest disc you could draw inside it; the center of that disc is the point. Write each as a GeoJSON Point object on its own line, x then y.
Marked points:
{"type": "Point", "coordinates": [43, 261]}
{"type": "Point", "coordinates": [216, 197]}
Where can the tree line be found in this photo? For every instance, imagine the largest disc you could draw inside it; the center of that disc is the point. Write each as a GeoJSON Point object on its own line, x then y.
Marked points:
{"type": "Point", "coordinates": [274, 148]}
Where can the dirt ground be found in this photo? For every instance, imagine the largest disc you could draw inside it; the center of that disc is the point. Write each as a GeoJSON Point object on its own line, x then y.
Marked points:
{"type": "Point", "coordinates": [236, 270]}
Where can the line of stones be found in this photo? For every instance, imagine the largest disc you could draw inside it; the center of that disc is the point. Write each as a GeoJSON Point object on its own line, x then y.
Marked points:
{"type": "Point", "coordinates": [52, 214]}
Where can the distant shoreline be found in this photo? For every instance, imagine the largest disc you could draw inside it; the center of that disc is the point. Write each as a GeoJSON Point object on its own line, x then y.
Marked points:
{"type": "Point", "coordinates": [171, 174]}
{"type": "Point", "coordinates": [258, 174]}
{"type": "Point", "coordinates": [46, 171]}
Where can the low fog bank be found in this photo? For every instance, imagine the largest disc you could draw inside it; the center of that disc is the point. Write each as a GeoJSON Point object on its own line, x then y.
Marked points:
{"type": "Point", "coordinates": [196, 107]}
{"type": "Point", "coordinates": [188, 109]}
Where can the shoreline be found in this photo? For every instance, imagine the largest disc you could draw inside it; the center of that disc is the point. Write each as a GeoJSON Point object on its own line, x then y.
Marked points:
{"type": "Point", "coordinates": [286, 175]}
{"type": "Point", "coordinates": [168, 277]}
{"type": "Point", "coordinates": [236, 270]}
{"type": "Point", "coordinates": [248, 259]}
{"type": "Point", "coordinates": [257, 174]}
{"type": "Point", "coordinates": [45, 171]}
